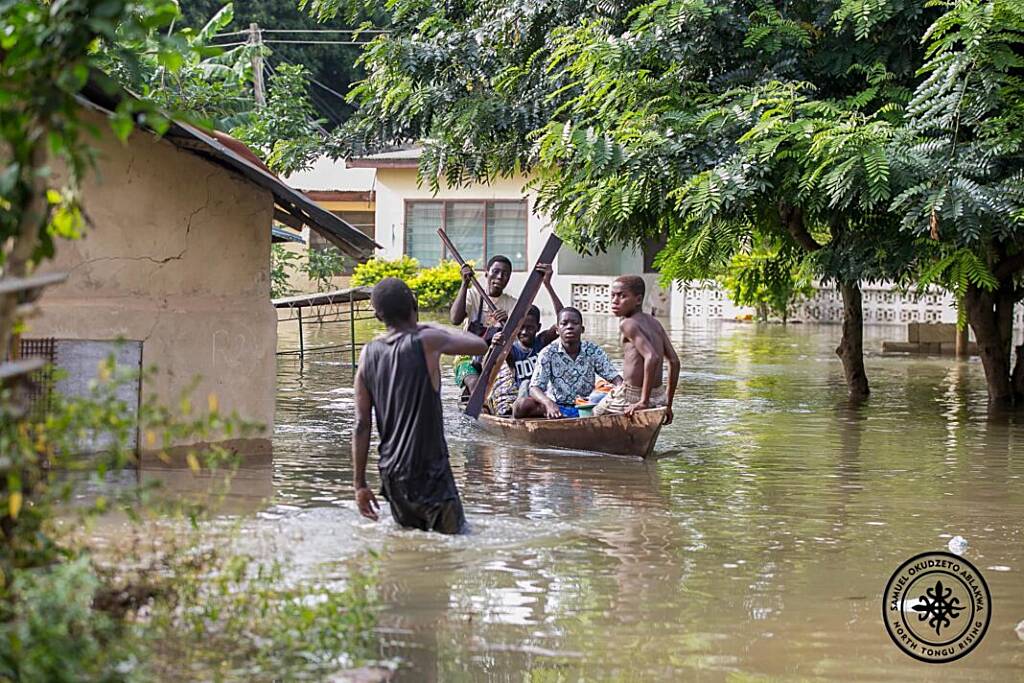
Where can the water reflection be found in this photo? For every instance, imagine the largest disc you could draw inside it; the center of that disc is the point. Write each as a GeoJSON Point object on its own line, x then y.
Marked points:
{"type": "Point", "coordinates": [758, 544]}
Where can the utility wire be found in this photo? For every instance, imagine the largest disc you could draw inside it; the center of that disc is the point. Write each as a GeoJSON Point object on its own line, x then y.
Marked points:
{"type": "Point", "coordinates": [306, 30]}
{"type": "Point", "coordinates": [318, 42]}
{"type": "Point", "coordinates": [273, 72]}
{"type": "Point", "coordinates": [324, 30]}
{"type": "Point", "coordinates": [330, 90]}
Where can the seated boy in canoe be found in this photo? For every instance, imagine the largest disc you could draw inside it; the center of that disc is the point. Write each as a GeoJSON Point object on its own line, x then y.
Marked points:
{"type": "Point", "coordinates": [565, 370]}
{"type": "Point", "coordinates": [645, 346]}
{"type": "Point", "coordinates": [513, 380]}
{"type": "Point", "coordinates": [468, 308]}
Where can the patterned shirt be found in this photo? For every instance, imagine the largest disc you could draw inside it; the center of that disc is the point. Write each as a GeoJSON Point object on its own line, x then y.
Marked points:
{"type": "Point", "coordinates": [563, 379]}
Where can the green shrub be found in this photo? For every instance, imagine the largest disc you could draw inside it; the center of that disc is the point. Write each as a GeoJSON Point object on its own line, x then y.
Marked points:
{"type": "Point", "coordinates": [375, 270]}
{"type": "Point", "coordinates": [282, 264]}
{"type": "Point", "coordinates": [324, 264]}
{"type": "Point", "coordinates": [50, 631]}
{"type": "Point", "coordinates": [436, 287]}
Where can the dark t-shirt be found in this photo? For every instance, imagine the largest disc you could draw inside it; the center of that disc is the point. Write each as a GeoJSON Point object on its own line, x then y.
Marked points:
{"type": "Point", "coordinates": [522, 359]}
{"type": "Point", "coordinates": [413, 450]}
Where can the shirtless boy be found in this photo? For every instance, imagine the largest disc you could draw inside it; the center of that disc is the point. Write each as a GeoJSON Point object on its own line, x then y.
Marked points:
{"type": "Point", "coordinates": [399, 378]}
{"type": "Point", "coordinates": [645, 346]}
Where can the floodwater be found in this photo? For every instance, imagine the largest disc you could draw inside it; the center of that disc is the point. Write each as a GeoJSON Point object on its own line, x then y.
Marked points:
{"type": "Point", "coordinates": [757, 546]}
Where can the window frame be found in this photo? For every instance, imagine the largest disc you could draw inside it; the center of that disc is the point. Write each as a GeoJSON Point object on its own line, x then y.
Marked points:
{"type": "Point", "coordinates": [444, 224]}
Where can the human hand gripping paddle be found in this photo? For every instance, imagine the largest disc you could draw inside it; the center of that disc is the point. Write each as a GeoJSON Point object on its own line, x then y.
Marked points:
{"type": "Point", "coordinates": [467, 272]}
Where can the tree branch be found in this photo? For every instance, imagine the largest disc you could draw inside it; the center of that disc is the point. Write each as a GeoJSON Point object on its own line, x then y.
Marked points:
{"type": "Point", "coordinates": [1009, 266]}
{"type": "Point", "coordinates": [793, 218]}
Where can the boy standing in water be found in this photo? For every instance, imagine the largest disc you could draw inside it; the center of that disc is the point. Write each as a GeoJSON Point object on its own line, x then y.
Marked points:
{"type": "Point", "coordinates": [399, 377]}
{"type": "Point", "coordinates": [645, 346]}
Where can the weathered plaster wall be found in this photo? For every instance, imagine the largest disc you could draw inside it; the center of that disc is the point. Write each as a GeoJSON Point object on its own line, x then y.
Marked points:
{"type": "Point", "coordinates": [177, 256]}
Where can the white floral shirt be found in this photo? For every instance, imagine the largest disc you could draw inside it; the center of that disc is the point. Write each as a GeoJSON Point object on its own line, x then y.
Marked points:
{"type": "Point", "coordinates": [563, 379]}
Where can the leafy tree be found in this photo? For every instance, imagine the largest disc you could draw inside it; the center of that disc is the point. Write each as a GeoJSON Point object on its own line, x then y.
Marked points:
{"type": "Point", "coordinates": [961, 152]}
{"type": "Point", "coordinates": [178, 70]}
{"type": "Point", "coordinates": [284, 132]}
{"type": "Point", "coordinates": [282, 264]}
{"type": "Point", "coordinates": [214, 87]}
{"type": "Point", "coordinates": [768, 277]}
{"type": "Point", "coordinates": [708, 123]}
{"type": "Point", "coordinates": [324, 264]}
{"type": "Point", "coordinates": [332, 65]}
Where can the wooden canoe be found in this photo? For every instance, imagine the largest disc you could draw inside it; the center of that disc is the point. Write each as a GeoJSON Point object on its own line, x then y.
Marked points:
{"type": "Point", "coordinates": [616, 434]}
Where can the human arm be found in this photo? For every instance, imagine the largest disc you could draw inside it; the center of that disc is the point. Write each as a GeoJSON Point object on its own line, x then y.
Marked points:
{"type": "Point", "coordinates": [457, 313]}
{"type": "Point", "coordinates": [548, 270]}
{"type": "Point", "coordinates": [550, 407]}
{"type": "Point", "coordinates": [551, 334]}
{"type": "Point", "coordinates": [632, 332]}
{"type": "Point", "coordinates": [604, 367]}
{"type": "Point", "coordinates": [673, 375]}
{"type": "Point", "coordinates": [539, 384]}
{"type": "Point", "coordinates": [439, 340]}
{"type": "Point", "coordinates": [365, 500]}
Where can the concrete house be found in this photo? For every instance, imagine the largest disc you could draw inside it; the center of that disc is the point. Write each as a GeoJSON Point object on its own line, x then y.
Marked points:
{"type": "Point", "coordinates": [174, 269]}
{"type": "Point", "coordinates": [346, 193]}
{"type": "Point", "coordinates": [487, 219]}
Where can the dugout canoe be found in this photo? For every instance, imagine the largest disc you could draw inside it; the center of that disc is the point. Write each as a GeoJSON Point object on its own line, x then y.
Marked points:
{"type": "Point", "coordinates": [615, 434]}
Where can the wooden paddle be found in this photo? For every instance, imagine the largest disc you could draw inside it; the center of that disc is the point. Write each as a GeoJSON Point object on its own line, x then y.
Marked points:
{"type": "Point", "coordinates": [497, 354]}
{"type": "Point", "coordinates": [462, 262]}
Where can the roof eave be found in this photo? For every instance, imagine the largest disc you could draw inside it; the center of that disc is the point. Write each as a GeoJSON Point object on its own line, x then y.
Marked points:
{"type": "Point", "coordinates": [382, 163]}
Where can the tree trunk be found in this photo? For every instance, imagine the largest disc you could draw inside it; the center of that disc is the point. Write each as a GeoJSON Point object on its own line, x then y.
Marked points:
{"type": "Point", "coordinates": [990, 315]}
{"type": "Point", "coordinates": [762, 313]}
{"type": "Point", "coordinates": [1017, 378]}
{"type": "Point", "coordinates": [851, 348]}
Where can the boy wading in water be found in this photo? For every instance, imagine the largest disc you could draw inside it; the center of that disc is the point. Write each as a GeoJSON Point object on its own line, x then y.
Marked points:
{"type": "Point", "coordinates": [399, 377]}
{"type": "Point", "coordinates": [645, 346]}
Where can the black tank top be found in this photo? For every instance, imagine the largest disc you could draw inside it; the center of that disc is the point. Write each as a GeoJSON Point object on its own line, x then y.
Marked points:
{"type": "Point", "coordinates": [409, 417]}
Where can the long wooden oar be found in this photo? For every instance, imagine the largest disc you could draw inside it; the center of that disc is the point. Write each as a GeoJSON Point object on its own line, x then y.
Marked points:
{"type": "Point", "coordinates": [497, 354]}
{"type": "Point", "coordinates": [462, 262]}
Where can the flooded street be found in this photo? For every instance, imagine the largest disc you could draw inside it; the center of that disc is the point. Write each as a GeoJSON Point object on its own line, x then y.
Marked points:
{"type": "Point", "coordinates": [756, 546]}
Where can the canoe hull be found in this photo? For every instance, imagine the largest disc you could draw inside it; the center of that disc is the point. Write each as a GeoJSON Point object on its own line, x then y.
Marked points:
{"type": "Point", "coordinates": [615, 434]}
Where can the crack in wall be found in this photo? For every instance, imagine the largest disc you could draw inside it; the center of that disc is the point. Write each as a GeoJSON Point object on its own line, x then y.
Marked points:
{"type": "Point", "coordinates": [158, 261]}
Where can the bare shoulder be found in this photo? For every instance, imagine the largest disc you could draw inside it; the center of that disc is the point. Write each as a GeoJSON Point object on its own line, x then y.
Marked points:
{"type": "Point", "coordinates": [433, 337]}
{"type": "Point", "coordinates": [641, 323]}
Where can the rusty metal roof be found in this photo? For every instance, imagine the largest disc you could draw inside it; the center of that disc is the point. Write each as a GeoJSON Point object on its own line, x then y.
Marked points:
{"type": "Point", "coordinates": [292, 207]}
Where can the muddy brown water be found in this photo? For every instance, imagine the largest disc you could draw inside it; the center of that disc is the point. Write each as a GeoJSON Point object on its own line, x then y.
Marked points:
{"type": "Point", "coordinates": [757, 546]}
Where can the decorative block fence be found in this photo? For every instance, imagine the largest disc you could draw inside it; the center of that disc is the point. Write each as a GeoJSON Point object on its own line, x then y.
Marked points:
{"type": "Point", "coordinates": [883, 303]}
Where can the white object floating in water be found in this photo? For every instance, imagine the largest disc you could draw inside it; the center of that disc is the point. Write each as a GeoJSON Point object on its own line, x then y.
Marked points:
{"type": "Point", "coordinates": [1020, 630]}
{"type": "Point", "coordinates": [957, 545]}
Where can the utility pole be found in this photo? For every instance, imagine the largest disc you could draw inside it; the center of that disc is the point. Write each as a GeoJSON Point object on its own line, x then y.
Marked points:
{"type": "Point", "coordinates": [256, 41]}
